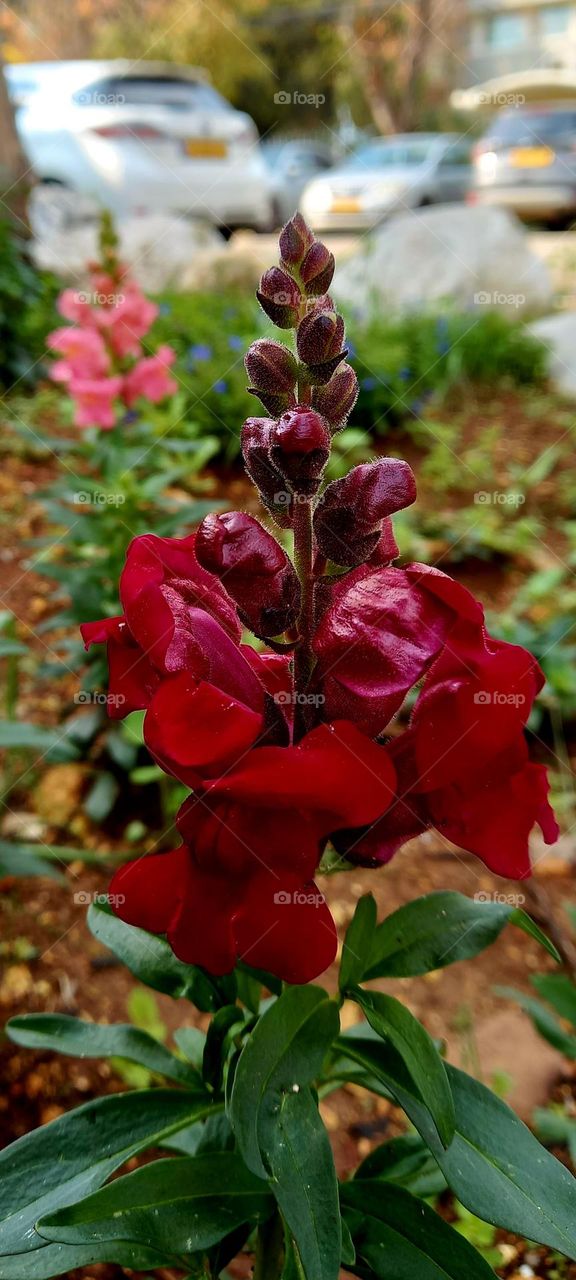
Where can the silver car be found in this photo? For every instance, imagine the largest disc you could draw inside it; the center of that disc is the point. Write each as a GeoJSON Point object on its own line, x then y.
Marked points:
{"type": "Point", "coordinates": [526, 162]}
{"type": "Point", "coordinates": [386, 175]}
{"type": "Point", "coordinates": [140, 137]}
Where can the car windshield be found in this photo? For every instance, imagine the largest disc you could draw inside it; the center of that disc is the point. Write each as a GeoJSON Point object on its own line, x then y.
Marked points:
{"type": "Point", "coordinates": [514, 128]}
{"type": "Point", "coordinates": [155, 91]}
{"type": "Point", "coordinates": [386, 155]}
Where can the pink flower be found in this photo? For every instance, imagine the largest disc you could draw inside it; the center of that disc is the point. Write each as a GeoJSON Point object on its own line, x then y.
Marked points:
{"type": "Point", "coordinates": [75, 306]}
{"type": "Point", "coordinates": [128, 320]}
{"type": "Point", "coordinates": [150, 378]}
{"type": "Point", "coordinates": [84, 352]}
{"type": "Point", "coordinates": [95, 401]}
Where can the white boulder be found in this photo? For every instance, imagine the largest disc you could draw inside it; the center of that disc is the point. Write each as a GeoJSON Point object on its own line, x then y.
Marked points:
{"type": "Point", "coordinates": [558, 333]}
{"type": "Point", "coordinates": [472, 257]}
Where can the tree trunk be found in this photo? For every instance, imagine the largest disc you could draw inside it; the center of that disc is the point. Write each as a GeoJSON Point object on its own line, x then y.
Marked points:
{"type": "Point", "coordinates": [16, 176]}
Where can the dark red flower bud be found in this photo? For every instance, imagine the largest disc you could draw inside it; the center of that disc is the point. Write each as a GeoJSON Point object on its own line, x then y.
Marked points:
{"type": "Point", "coordinates": [348, 521]}
{"type": "Point", "coordinates": [301, 448]}
{"type": "Point", "coordinates": [253, 568]}
{"type": "Point", "coordinates": [271, 367]}
{"type": "Point", "coordinates": [296, 238]}
{"type": "Point", "coordinates": [263, 472]}
{"type": "Point", "coordinates": [317, 269]}
{"type": "Point", "coordinates": [273, 401]}
{"type": "Point", "coordinates": [280, 297]}
{"type": "Point", "coordinates": [320, 337]}
{"type": "Point", "coordinates": [336, 400]}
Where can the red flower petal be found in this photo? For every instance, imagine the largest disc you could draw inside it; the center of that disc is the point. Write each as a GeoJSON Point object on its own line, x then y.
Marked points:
{"type": "Point", "coordinates": [285, 927]}
{"type": "Point", "coordinates": [147, 892]}
{"type": "Point", "coordinates": [196, 731]}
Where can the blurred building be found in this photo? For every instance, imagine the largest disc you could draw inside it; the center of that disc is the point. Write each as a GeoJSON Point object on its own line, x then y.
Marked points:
{"type": "Point", "coordinates": [507, 36]}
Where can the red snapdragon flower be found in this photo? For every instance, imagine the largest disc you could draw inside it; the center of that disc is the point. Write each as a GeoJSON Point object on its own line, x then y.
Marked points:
{"type": "Point", "coordinates": [289, 748]}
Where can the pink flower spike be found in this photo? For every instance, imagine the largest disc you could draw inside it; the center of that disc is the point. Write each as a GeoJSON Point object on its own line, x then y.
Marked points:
{"type": "Point", "coordinates": [95, 401]}
{"type": "Point", "coordinates": [150, 378]}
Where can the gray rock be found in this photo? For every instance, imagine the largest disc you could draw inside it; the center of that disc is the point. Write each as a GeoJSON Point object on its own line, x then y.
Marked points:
{"type": "Point", "coordinates": [558, 333]}
{"type": "Point", "coordinates": [471, 257]}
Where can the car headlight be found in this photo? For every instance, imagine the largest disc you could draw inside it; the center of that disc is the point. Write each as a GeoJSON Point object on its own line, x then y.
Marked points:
{"type": "Point", "coordinates": [383, 193]}
{"type": "Point", "coordinates": [317, 198]}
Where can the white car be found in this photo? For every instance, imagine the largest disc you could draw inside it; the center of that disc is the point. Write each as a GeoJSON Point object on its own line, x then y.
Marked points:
{"type": "Point", "coordinates": [137, 137]}
{"type": "Point", "coordinates": [386, 175]}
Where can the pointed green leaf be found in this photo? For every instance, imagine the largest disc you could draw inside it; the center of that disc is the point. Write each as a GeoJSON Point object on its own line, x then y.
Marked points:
{"type": "Point", "coordinates": [393, 1022]}
{"type": "Point", "coordinates": [66, 1159]}
{"type": "Point", "coordinates": [59, 1259]}
{"type": "Point", "coordinates": [398, 1236]}
{"type": "Point", "coordinates": [153, 962]}
{"type": "Point", "coordinates": [81, 1039]}
{"type": "Point", "coordinates": [407, 1162]}
{"type": "Point", "coordinates": [440, 929]}
{"type": "Point", "coordinates": [181, 1205]}
{"type": "Point", "coordinates": [358, 942]}
{"type": "Point", "coordinates": [560, 991]}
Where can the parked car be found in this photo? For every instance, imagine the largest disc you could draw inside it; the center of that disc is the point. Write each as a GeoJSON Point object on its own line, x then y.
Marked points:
{"type": "Point", "coordinates": [526, 162]}
{"type": "Point", "coordinates": [388, 174]}
{"type": "Point", "coordinates": [141, 136]}
{"type": "Point", "coordinates": [291, 165]}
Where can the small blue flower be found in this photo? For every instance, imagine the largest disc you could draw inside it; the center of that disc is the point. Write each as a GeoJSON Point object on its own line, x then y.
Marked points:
{"type": "Point", "coordinates": [130, 416]}
{"type": "Point", "coordinates": [220, 387]}
{"type": "Point", "coordinates": [165, 309]}
{"type": "Point", "coordinates": [351, 351]}
{"type": "Point", "coordinates": [235, 342]}
{"type": "Point", "coordinates": [368, 384]}
{"type": "Point", "coordinates": [200, 351]}
{"type": "Point", "coordinates": [405, 373]}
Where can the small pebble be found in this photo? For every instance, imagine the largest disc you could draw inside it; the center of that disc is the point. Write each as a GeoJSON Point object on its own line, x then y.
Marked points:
{"type": "Point", "coordinates": [526, 1271]}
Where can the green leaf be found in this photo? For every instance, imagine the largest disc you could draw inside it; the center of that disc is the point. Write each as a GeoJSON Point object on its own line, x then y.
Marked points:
{"type": "Point", "coordinates": [399, 1237]}
{"type": "Point", "coordinates": [60, 1259]}
{"type": "Point", "coordinates": [500, 1172]}
{"type": "Point", "coordinates": [18, 860]}
{"type": "Point", "coordinates": [394, 1023]}
{"type": "Point", "coordinates": [382, 1062]}
{"type": "Point", "coordinates": [545, 1022]}
{"type": "Point", "coordinates": [297, 1151]}
{"type": "Point", "coordinates": [358, 942]}
{"type": "Point", "coordinates": [182, 1205]}
{"type": "Point", "coordinates": [191, 1042]}
{"type": "Point", "coordinates": [102, 797]}
{"type": "Point", "coordinates": [12, 649]}
{"type": "Point", "coordinates": [47, 743]}
{"type": "Point", "coordinates": [153, 962]}
{"type": "Point", "coordinates": [285, 1051]}
{"type": "Point", "coordinates": [277, 1125]}
{"type": "Point", "coordinates": [560, 991]}
{"type": "Point", "coordinates": [215, 1048]}
{"type": "Point", "coordinates": [80, 1039]}
{"type": "Point", "coordinates": [440, 929]}
{"type": "Point", "coordinates": [70, 1157]}
{"type": "Point", "coordinates": [407, 1162]}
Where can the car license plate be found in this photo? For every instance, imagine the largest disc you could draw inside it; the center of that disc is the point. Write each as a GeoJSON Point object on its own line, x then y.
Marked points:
{"type": "Point", "coordinates": [345, 204]}
{"type": "Point", "coordinates": [531, 157]}
{"type": "Point", "coordinates": [206, 148]}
